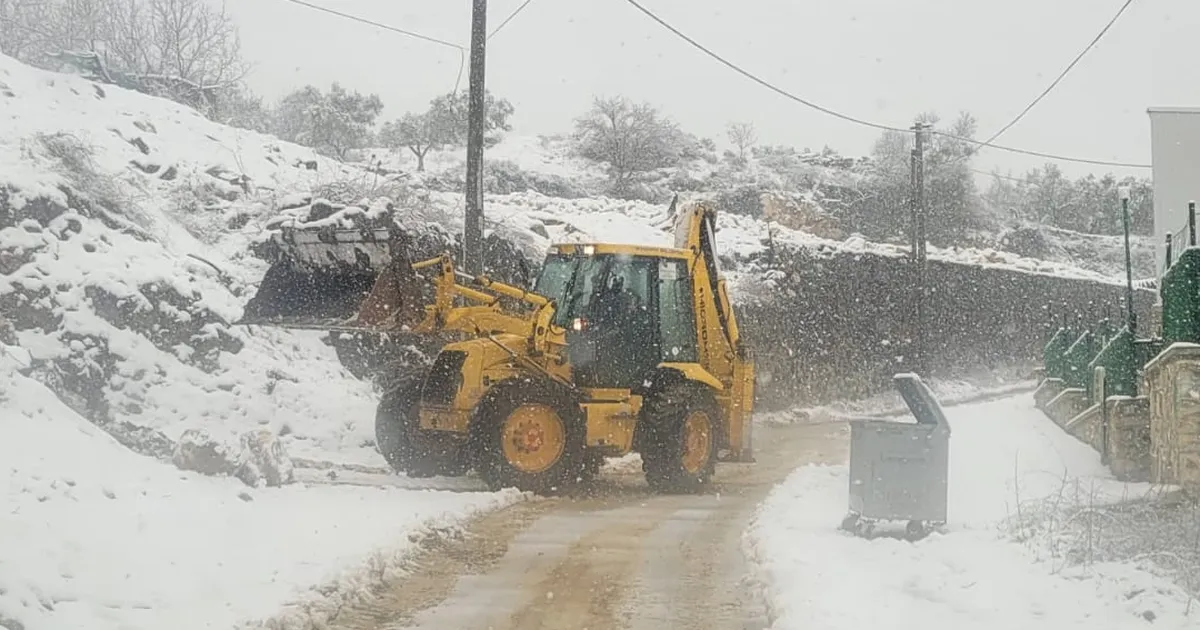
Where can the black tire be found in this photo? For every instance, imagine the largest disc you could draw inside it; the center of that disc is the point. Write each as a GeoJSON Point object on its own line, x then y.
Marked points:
{"type": "Point", "coordinates": [670, 465]}
{"type": "Point", "coordinates": [511, 401]}
{"type": "Point", "coordinates": [399, 438]}
{"type": "Point", "coordinates": [592, 463]}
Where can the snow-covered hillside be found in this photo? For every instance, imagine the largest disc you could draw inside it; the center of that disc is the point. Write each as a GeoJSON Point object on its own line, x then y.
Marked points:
{"type": "Point", "coordinates": [125, 225]}
{"type": "Point", "coordinates": [104, 195]}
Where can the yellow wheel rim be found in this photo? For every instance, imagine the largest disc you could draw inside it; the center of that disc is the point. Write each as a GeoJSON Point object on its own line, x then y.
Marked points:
{"type": "Point", "coordinates": [533, 438]}
{"type": "Point", "coordinates": [697, 441]}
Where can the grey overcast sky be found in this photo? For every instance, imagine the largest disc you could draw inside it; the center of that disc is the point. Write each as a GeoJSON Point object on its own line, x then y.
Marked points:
{"type": "Point", "coordinates": [884, 60]}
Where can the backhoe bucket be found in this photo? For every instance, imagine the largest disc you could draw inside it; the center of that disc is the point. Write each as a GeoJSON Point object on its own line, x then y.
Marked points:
{"type": "Point", "coordinates": [338, 280]}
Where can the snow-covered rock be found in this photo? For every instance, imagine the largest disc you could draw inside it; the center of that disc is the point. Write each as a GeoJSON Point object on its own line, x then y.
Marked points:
{"type": "Point", "coordinates": [263, 460]}
{"type": "Point", "coordinates": [197, 451]}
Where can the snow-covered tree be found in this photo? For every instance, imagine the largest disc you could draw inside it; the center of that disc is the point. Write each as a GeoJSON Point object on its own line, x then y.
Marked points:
{"type": "Point", "coordinates": [1089, 204]}
{"type": "Point", "coordinates": [450, 112]}
{"type": "Point", "coordinates": [630, 139]}
{"type": "Point", "coordinates": [419, 133]}
{"type": "Point", "coordinates": [742, 137]}
{"type": "Point", "coordinates": [950, 196]}
{"type": "Point", "coordinates": [20, 36]}
{"type": "Point", "coordinates": [445, 124]}
{"type": "Point", "coordinates": [186, 50]}
{"type": "Point", "coordinates": [239, 107]}
{"type": "Point", "coordinates": [333, 123]}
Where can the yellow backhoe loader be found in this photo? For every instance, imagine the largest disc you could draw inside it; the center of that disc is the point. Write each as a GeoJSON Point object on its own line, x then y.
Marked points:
{"type": "Point", "coordinates": [616, 348]}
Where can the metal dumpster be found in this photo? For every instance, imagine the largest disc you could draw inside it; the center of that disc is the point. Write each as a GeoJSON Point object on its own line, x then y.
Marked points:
{"type": "Point", "coordinates": [899, 470]}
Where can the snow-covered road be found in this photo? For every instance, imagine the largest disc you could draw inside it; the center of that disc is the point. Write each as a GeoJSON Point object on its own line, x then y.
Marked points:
{"type": "Point", "coordinates": [974, 576]}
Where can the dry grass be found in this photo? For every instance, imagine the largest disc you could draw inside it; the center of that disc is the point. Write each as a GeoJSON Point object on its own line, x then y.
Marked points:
{"type": "Point", "coordinates": [1080, 526]}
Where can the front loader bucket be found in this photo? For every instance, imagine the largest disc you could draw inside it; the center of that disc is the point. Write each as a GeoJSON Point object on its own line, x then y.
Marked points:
{"type": "Point", "coordinates": [338, 279]}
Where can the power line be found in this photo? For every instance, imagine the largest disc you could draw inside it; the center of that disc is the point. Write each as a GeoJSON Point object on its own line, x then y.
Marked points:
{"type": "Point", "coordinates": [998, 175]}
{"type": "Point", "coordinates": [752, 77]}
{"type": "Point", "coordinates": [1061, 75]}
{"type": "Point", "coordinates": [846, 117]}
{"type": "Point", "coordinates": [508, 19]}
{"type": "Point", "coordinates": [355, 18]}
{"type": "Point", "coordinates": [1048, 156]}
{"type": "Point", "coordinates": [462, 57]}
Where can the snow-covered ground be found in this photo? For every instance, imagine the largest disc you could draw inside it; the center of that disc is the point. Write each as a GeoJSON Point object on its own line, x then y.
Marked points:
{"type": "Point", "coordinates": [95, 537]}
{"type": "Point", "coordinates": [125, 231]}
{"type": "Point", "coordinates": [976, 574]}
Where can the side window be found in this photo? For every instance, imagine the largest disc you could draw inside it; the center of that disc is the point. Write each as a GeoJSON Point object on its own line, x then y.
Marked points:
{"type": "Point", "coordinates": [677, 327]}
{"type": "Point", "coordinates": [556, 272]}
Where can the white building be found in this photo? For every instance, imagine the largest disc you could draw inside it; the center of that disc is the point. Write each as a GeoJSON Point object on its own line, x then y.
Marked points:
{"type": "Point", "coordinates": [1175, 157]}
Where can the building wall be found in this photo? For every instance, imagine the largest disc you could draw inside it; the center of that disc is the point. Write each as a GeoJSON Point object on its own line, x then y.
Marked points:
{"type": "Point", "coordinates": [1175, 154]}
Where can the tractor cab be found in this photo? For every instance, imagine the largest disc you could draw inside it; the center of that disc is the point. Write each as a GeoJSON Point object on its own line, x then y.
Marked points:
{"type": "Point", "coordinates": [626, 309]}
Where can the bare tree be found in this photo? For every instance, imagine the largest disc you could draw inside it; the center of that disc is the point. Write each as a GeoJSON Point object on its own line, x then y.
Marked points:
{"type": "Point", "coordinates": [629, 139]}
{"type": "Point", "coordinates": [194, 41]}
{"type": "Point", "coordinates": [742, 136]}
{"type": "Point", "coordinates": [187, 50]}
{"type": "Point", "coordinates": [21, 35]}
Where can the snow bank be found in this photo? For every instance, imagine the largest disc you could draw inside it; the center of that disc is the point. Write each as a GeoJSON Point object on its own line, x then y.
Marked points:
{"type": "Point", "coordinates": [971, 576]}
{"type": "Point", "coordinates": [96, 537]}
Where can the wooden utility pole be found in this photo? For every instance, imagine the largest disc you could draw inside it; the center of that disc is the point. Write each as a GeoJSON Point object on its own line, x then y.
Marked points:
{"type": "Point", "coordinates": [1130, 314]}
{"type": "Point", "coordinates": [473, 221]}
{"type": "Point", "coordinates": [918, 244]}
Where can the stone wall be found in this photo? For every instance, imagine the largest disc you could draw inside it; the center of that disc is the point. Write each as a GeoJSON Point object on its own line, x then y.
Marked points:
{"type": "Point", "coordinates": [833, 325]}
{"type": "Point", "coordinates": [1172, 382]}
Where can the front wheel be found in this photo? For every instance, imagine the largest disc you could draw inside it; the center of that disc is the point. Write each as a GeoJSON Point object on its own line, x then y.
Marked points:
{"type": "Point", "coordinates": [681, 427]}
{"type": "Point", "coordinates": [528, 434]}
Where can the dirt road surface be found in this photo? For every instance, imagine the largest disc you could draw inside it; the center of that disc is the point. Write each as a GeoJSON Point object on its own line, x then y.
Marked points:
{"type": "Point", "coordinates": [615, 556]}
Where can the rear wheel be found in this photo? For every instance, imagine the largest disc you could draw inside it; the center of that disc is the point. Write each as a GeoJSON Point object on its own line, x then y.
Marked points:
{"type": "Point", "coordinates": [528, 434]}
{"type": "Point", "coordinates": [681, 426]}
{"type": "Point", "coordinates": [406, 448]}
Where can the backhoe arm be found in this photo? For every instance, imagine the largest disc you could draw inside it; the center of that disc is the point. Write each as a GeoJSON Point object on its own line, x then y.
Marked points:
{"type": "Point", "coordinates": [695, 228]}
{"type": "Point", "coordinates": [482, 316]}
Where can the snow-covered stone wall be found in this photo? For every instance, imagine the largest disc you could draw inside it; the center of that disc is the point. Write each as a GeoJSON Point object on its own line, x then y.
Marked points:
{"type": "Point", "coordinates": [842, 324]}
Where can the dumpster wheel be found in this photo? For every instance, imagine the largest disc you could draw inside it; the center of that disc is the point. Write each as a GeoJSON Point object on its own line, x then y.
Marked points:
{"type": "Point", "coordinates": [857, 525]}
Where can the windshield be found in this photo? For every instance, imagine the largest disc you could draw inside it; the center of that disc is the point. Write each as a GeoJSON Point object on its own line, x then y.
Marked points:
{"type": "Point", "coordinates": [570, 281]}
{"type": "Point", "coordinates": [579, 285]}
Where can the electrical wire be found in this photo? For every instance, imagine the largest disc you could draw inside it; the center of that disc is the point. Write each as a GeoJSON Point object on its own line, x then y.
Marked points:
{"type": "Point", "coordinates": [1061, 75]}
{"type": "Point", "coordinates": [510, 17]}
{"type": "Point", "coordinates": [788, 95]}
{"type": "Point", "coordinates": [998, 175]}
{"type": "Point", "coordinates": [756, 79]}
{"type": "Point", "coordinates": [462, 54]}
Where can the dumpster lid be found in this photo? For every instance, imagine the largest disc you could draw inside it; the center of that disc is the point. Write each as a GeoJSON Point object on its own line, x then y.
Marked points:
{"type": "Point", "coordinates": [920, 399]}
